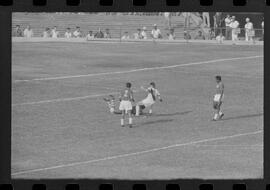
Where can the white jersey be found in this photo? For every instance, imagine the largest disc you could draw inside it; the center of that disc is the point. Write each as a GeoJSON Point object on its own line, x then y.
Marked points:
{"type": "Point", "coordinates": [55, 34]}
{"type": "Point", "coordinates": [151, 96]}
{"type": "Point", "coordinates": [156, 33]}
{"type": "Point", "coordinates": [68, 35]}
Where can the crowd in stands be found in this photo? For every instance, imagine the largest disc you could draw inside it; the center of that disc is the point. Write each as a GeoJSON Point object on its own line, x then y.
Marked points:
{"type": "Point", "coordinates": [232, 30]}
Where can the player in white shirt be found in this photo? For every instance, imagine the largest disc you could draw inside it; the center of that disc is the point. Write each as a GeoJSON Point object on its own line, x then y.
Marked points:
{"type": "Point", "coordinates": [54, 33]}
{"type": "Point", "coordinates": [249, 31]}
{"type": "Point", "coordinates": [68, 33]}
{"type": "Point", "coordinates": [143, 33]}
{"type": "Point", "coordinates": [235, 29]}
{"type": "Point", "coordinates": [155, 33]}
{"type": "Point", "coordinates": [28, 32]}
{"type": "Point", "coordinates": [148, 102]}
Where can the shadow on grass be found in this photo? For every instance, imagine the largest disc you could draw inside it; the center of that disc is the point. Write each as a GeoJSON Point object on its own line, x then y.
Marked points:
{"type": "Point", "coordinates": [156, 122]}
{"type": "Point", "coordinates": [242, 116]}
{"type": "Point", "coordinates": [171, 114]}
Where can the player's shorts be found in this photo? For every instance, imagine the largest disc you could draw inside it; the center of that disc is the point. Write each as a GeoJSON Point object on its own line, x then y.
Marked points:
{"type": "Point", "coordinates": [125, 105]}
{"type": "Point", "coordinates": [216, 102]}
{"type": "Point", "coordinates": [147, 102]}
{"type": "Point", "coordinates": [217, 97]}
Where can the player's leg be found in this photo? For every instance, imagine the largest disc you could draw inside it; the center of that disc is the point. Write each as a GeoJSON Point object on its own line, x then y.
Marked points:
{"type": "Point", "coordinates": [220, 112]}
{"type": "Point", "coordinates": [216, 114]}
{"type": "Point", "coordinates": [151, 109]}
{"type": "Point", "coordinates": [129, 118]}
{"type": "Point", "coordinates": [138, 105]}
{"type": "Point", "coordinates": [123, 118]}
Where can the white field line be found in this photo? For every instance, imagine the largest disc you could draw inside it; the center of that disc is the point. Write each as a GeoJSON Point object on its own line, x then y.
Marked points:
{"type": "Point", "coordinates": [68, 99]}
{"type": "Point", "coordinates": [63, 99]}
{"type": "Point", "coordinates": [135, 153]}
{"type": "Point", "coordinates": [120, 72]}
{"type": "Point", "coordinates": [136, 70]}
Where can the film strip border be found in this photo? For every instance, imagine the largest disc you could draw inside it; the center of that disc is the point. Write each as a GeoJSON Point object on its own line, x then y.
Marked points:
{"type": "Point", "coordinates": [139, 5]}
{"type": "Point", "coordinates": [136, 186]}
{"type": "Point", "coordinates": [134, 2]}
{"type": "Point", "coordinates": [135, 5]}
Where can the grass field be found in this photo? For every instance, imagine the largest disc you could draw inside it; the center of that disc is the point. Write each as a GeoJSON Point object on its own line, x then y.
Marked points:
{"type": "Point", "coordinates": [61, 127]}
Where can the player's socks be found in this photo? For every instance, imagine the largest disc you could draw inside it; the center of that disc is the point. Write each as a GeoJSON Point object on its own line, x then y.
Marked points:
{"type": "Point", "coordinates": [122, 122]}
{"type": "Point", "coordinates": [150, 111]}
{"type": "Point", "coordinates": [130, 122]}
{"type": "Point", "coordinates": [221, 114]}
{"type": "Point", "coordinates": [137, 110]}
{"type": "Point", "coordinates": [215, 116]}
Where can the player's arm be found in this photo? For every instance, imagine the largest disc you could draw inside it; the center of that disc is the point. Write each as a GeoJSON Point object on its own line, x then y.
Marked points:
{"type": "Point", "coordinates": [120, 96]}
{"type": "Point", "coordinates": [158, 95]}
{"type": "Point", "coordinates": [144, 89]}
{"type": "Point", "coordinates": [131, 96]}
{"type": "Point", "coordinates": [221, 92]}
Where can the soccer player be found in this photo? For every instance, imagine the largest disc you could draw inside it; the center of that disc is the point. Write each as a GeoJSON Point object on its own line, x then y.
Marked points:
{"type": "Point", "coordinates": [126, 96]}
{"type": "Point", "coordinates": [218, 99]}
{"type": "Point", "coordinates": [152, 94]}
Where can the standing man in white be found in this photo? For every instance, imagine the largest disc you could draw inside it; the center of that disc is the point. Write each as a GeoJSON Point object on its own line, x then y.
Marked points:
{"type": "Point", "coordinates": [235, 29]}
{"type": "Point", "coordinates": [249, 31]}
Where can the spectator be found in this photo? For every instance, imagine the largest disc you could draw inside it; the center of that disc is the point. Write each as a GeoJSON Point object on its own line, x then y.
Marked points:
{"type": "Point", "coordinates": [28, 32]}
{"type": "Point", "coordinates": [99, 34]}
{"type": "Point", "coordinates": [90, 36]}
{"type": "Point", "coordinates": [187, 36]}
{"type": "Point", "coordinates": [125, 36]}
{"type": "Point", "coordinates": [211, 34]}
{"type": "Point", "coordinates": [199, 36]}
{"type": "Point", "coordinates": [262, 30]}
{"type": "Point", "coordinates": [143, 33]}
{"type": "Point", "coordinates": [54, 32]}
{"type": "Point", "coordinates": [220, 38]}
{"type": "Point", "coordinates": [187, 16]}
{"type": "Point", "coordinates": [138, 34]}
{"type": "Point", "coordinates": [235, 29]}
{"type": "Point", "coordinates": [68, 33]}
{"type": "Point", "coordinates": [228, 21]}
{"type": "Point", "coordinates": [77, 33]}
{"type": "Point", "coordinates": [17, 31]}
{"type": "Point", "coordinates": [155, 33]}
{"type": "Point", "coordinates": [249, 31]}
{"type": "Point", "coordinates": [217, 19]}
{"type": "Point", "coordinates": [107, 33]}
{"type": "Point", "coordinates": [206, 19]}
{"type": "Point", "coordinates": [46, 33]}
{"type": "Point", "coordinates": [167, 16]}
{"type": "Point", "coordinates": [171, 35]}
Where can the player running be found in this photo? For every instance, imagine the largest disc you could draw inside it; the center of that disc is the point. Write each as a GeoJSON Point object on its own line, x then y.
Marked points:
{"type": "Point", "coordinates": [126, 96]}
{"type": "Point", "coordinates": [218, 99]}
{"type": "Point", "coordinates": [149, 100]}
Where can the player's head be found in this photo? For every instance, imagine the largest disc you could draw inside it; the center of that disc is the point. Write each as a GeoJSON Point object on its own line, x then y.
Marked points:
{"type": "Point", "coordinates": [153, 84]}
{"type": "Point", "coordinates": [218, 78]}
{"type": "Point", "coordinates": [247, 19]}
{"type": "Point", "coordinates": [128, 85]}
